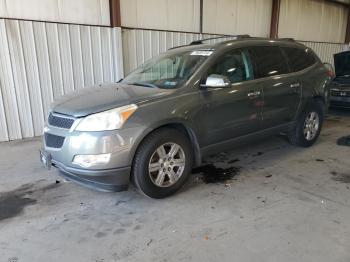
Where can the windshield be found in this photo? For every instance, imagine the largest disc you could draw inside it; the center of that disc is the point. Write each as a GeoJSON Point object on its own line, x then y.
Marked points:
{"type": "Point", "coordinates": [168, 70]}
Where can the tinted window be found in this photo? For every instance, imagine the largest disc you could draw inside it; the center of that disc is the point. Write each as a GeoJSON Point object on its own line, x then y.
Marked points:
{"type": "Point", "coordinates": [299, 59]}
{"type": "Point", "coordinates": [269, 61]}
{"type": "Point", "coordinates": [235, 65]}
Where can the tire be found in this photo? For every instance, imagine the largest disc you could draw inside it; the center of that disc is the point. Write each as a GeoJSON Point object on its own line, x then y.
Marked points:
{"type": "Point", "coordinates": [299, 135]}
{"type": "Point", "coordinates": [150, 156]}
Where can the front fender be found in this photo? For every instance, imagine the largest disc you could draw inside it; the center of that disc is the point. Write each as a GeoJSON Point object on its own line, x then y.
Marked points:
{"type": "Point", "coordinates": [188, 126]}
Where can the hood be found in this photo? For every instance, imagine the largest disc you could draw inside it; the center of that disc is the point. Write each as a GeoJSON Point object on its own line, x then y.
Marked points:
{"type": "Point", "coordinates": [342, 63]}
{"type": "Point", "coordinates": [100, 98]}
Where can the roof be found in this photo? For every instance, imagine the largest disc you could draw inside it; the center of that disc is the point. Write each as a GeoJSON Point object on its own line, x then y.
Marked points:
{"type": "Point", "coordinates": [200, 44]}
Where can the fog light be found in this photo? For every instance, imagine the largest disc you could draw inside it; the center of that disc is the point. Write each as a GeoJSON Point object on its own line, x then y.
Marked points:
{"type": "Point", "coordinates": [91, 160]}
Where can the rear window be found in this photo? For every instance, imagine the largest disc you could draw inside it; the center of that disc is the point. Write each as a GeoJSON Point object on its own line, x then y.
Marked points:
{"type": "Point", "coordinates": [269, 61]}
{"type": "Point", "coordinates": [298, 58]}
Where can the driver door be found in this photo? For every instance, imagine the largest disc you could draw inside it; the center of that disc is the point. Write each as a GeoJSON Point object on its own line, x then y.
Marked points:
{"type": "Point", "coordinates": [235, 110]}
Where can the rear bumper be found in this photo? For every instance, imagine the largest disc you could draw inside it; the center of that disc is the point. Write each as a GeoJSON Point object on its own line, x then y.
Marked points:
{"type": "Point", "coordinates": [108, 180]}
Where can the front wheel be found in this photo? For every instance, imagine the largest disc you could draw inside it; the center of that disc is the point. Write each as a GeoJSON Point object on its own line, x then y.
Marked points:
{"type": "Point", "coordinates": [308, 126]}
{"type": "Point", "coordinates": [162, 163]}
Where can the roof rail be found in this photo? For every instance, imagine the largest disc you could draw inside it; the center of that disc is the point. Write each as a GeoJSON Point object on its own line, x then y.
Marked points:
{"type": "Point", "coordinates": [287, 39]}
{"type": "Point", "coordinates": [171, 48]}
{"type": "Point", "coordinates": [199, 42]}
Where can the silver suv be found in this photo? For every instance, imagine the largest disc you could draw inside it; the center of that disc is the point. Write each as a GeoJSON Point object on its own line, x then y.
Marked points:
{"type": "Point", "coordinates": [164, 117]}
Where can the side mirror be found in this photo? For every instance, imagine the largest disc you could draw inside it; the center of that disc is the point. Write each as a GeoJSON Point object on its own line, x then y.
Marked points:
{"type": "Point", "coordinates": [214, 81]}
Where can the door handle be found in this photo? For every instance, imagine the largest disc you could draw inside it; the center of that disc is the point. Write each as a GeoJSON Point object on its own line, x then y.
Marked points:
{"type": "Point", "coordinates": [254, 94]}
{"type": "Point", "coordinates": [294, 85]}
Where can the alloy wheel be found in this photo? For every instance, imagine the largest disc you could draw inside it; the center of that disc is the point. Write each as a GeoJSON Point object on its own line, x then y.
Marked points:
{"type": "Point", "coordinates": [311, 125]}
{"type": "Point", "coordinates": [167, 165]}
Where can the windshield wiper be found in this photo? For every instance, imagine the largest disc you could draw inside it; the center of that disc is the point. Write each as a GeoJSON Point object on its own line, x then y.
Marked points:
{"type": "Point", "coordinates": [144, 84]}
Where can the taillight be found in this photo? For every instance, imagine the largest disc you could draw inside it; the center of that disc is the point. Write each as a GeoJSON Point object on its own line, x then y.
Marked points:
{"type": "Point", "coordinates": [330, 73]}
{"type": "Point", "coordinates": [329, 70]}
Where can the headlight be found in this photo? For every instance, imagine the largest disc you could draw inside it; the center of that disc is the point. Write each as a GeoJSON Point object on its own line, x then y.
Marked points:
{"type": "Point", "coordinates": [107, 120]}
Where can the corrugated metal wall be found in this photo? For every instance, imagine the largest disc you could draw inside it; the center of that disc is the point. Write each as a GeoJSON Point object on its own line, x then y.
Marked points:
{"type": "Point", "coordinates": [320, 21]}
{"type": "Point", "coordinates": [41, 61]}
{"type": "Point", "coordinates": [91, 12]}
{"type": "Point", "coordinates": [140, 45]}
{"type": "Point", "coordinates": [237, 17]}
{"type": "Point", "coordinates": [179, 15]}
{"type": "Point", "coordinates": [325, 51]}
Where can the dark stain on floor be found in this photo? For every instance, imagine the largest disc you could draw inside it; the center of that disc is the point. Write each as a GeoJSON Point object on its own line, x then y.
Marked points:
{"type": "Point", "coordinates": [258, 154]}
{"type": "Point", "coordinates": [212, 174]}
{"type": "Point", "coordinates": [12, 203]}
{"type": "Point", "coordinates": [233, 161]}
{"type": "Point", "coordinates": [100, 234]}
{"type": "Point", "coordinates": [344, 141]}
{"type": "Point", "coordinates": [340, 177]}
{"type": "Point", "coordinates": [333, 119]}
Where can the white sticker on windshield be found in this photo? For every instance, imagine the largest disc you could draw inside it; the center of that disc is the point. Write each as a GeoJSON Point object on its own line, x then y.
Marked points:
{"type": "Point", "coordinates": [202, 52]}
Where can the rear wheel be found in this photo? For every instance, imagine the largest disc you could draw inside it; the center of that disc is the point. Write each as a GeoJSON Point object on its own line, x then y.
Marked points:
{"type": "Point", "coordinates": [162, 163]}
{"type": "Point", "coordinates": [308, 127]}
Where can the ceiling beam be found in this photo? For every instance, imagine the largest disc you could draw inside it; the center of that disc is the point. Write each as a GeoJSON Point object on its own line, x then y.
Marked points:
{"type": "Point", "coordinates": [115, 17]}
{"type": "Point", "coordinates": [201, 16]}
{"type": "Point", "coordinates": [275, 14]}
{"type": "Point", "coordinates": [347, 32]}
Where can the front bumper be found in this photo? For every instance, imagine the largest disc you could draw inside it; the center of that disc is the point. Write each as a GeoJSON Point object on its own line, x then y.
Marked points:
{"type": "Point", "coordinates": [62, 145]}
{"type": "Point", "coordinates": [339, 101]}
{"type": "Point", "coordinates": [109, 180]}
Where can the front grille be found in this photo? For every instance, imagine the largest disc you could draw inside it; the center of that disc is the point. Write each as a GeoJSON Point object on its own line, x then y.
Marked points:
{"type": "Point", "coordinates": [60, 121]}
{"type": "Point", "coordinates": [54, 141]}
{"type": "Point", "coordinates": [340, 93]}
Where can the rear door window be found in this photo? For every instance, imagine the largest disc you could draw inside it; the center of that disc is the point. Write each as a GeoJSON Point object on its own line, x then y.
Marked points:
{"type": "Point", "coordinates": [298, 58]}
{"type": "Point", "coordinates": [269, 61]}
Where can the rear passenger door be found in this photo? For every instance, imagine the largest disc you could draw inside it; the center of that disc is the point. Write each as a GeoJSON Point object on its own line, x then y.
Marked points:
{"type": "Point", "coordinates": [281, 90]}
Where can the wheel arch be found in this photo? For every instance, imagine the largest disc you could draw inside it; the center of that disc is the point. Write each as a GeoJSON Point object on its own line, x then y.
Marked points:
{"type": "Point", "coordinates": [312, 99]}
{"type": "Point", "coordinates": [321, 100]}
{"type": "Point", "coordinates": [180, 126]}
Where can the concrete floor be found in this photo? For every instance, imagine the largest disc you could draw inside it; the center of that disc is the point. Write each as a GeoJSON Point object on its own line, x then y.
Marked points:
{"type": "Point", "coordinates": [284, 204]}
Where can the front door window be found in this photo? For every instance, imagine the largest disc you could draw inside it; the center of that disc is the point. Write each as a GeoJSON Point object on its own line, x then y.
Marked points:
{"type": "Point", "coordinates": [235, 66]}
